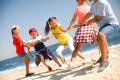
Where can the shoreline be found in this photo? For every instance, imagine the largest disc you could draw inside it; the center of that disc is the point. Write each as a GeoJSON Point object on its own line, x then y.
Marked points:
{"type": "Point", "coordinates": [80, 72]}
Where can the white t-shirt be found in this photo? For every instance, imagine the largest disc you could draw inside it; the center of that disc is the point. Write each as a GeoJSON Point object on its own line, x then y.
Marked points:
{"type": "Point", "coordinates": [38, 46]}
{"type": "Point", "coordinates": [35, 39]}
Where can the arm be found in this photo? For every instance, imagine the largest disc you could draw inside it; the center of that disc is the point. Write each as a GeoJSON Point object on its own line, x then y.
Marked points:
{"type": "Point", "coordinates": [28, 48]}
{"type": "Point", "coordinates": [95, 20]}
{"type": "Point", "coordinates": [30, 43]}
{"type": "Point", "coordinates": [30, 52]}
{"type": "Point", "coordinates": [45, 39]}
{"type": "Point", "coordinates": [62, 28]}
{"type": "Point", "coordinates": [56, 35]}
{"type": "Point", "coordinates": [72, 22]}
{"type": "Point", "coordinates": [83, 21]}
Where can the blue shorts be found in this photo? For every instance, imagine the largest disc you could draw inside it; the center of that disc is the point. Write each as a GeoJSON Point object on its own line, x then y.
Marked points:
{"type": "Point", "coordinates": [111, 30]}
{"type": "Point", "coordinates": [22, 55]}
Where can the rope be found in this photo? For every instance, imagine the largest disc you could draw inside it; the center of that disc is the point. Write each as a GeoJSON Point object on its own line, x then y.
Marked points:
{"type": "Point", "coordinates": [31, 54]}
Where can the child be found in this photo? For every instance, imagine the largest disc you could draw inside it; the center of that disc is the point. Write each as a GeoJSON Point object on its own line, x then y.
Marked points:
{"type": "Point", "coordinates": [20, 44]}
{"type": "Point", "coordinates": [107, 23]}
{"type": "Point", "coordinates": [84, 34]}
{"type": "Point", "coordinates": [42, 51]}
{"type": "Point", "coordinates": [65, 40]}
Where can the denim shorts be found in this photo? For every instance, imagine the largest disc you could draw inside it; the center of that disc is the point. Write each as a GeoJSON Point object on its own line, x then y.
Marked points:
{"type": "Point", "coordinates": [111, 30]}
{"type": "Point", "coordinates": [22, 55]}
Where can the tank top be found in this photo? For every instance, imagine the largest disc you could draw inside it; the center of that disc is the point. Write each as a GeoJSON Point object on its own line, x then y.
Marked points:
{"type": "Point", "coordinates": [62, 37]}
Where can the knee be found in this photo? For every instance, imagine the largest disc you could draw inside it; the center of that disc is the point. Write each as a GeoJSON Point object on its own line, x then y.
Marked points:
{"type": "Point", "coordinates": [41, 57]}
{"type": "Point", "coordinates": [77, 47]}
{"type": "Point", "coordinates": [72, 49]}
{"type": "Point", "coordinates": [27, 61]}
{"type": "Point", "coordinates": [101, 35]}
{"type": "Point", "coordinates": [59, 52]}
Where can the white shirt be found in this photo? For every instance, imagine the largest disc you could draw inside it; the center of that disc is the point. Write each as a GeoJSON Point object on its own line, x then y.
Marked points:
{"type": "Point", "coordinates": [35, 39]}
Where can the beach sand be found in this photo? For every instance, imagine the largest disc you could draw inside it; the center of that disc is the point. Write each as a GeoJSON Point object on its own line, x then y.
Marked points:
{"type": "Point", "coordinates": [85, 72]}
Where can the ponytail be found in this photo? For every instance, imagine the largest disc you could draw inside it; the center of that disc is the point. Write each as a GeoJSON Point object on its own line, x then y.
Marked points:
{"type": "Point", "coordinates": [47, 28]}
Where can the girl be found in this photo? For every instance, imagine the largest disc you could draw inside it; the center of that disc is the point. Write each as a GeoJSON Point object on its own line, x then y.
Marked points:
{"type": "Point", "coordinates": [20, 44]}
{"type": "Point", "coordinates": [65, 40]}
{"type": "Point", "coordinates": [42, 51]}
{"type": "Point", "coordinates": [84, 34]}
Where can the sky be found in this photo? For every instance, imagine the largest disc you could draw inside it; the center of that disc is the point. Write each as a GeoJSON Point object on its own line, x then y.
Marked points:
{"type": "Point", "coordinates": [35, 13]}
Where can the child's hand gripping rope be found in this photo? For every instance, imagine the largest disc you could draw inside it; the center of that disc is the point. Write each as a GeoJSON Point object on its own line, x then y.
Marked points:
{"type": "Point", "coordinates": [32, 56]}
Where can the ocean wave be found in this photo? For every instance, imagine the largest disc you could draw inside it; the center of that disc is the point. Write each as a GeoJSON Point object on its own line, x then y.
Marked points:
{"type": "Point", "coordinates": [10, 70]}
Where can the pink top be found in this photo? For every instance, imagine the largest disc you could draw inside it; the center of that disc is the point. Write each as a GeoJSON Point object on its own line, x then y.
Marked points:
{"type": "Point", "coordinates": [81, 11]}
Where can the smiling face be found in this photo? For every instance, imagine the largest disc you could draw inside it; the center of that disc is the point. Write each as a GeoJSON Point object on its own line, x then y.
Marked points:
{"type": "Point", "coordinates": [16, 30]}
{"type": "Point", "coordinates": [33, 34]}
{"type": "Point", "coordinates": [53, 23]}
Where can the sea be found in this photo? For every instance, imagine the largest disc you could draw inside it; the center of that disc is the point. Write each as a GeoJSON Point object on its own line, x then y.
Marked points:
{"type": "Point", "coordinates": [17, 63]}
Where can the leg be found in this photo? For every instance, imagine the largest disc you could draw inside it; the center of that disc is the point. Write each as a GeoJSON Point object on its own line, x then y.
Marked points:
{"type": "Point", "coordinates": [104, 64]}
{"type": "Point", "coordinates": [99, 43]}
{"type": "Point", "coordinates": [59, 52]}
{"type": "Point", "coordinates": [81, 56]}
{"type": "Point", "coordinates": [103, 46]}
{"type": "Point", "coordinates": [44, 62]}
{"type": "Point", "coordinates": [62, 59]}
{"type": "Point", "coordinates": [26, 60]}
{"type": "Point", "coordinates": [105, 39]}
{"type": "Point", "coordinates": [74, 54]}
{"type": "Point", "coordinates": [54, 58]}
{"type": "Point", "coordinates": [71, 47]}
{"type": "Point", "coordinates": [107, 30]}
{"type": "Point", "coordinates": [76, 51]}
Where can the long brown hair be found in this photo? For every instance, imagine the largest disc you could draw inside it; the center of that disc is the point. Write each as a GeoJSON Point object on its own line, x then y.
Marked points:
{"type": "Point", "coordinates": [47, 27]}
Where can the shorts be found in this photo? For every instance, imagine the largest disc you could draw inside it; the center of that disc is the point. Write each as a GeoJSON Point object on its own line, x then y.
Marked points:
{"type": "Point", "coordinates": [22, 55]}
{"type": "Point", "coordinates": [111, 31]}
{"type": "Point", "coordinates": [85, 34]}
{"type": "Point", "coordinates": [45, 52]}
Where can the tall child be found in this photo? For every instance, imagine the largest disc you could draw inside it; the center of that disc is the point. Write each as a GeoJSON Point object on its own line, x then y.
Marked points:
{"type": "Point", "coordinates": [42, 51]}
{"type": "Point", "coordinates": [64, 39]}
{"type": "Point", "coordinates": [84, 34]}
{"type": "Point", "coordinates": [20, 44]}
